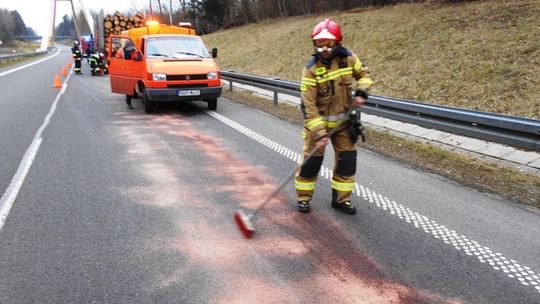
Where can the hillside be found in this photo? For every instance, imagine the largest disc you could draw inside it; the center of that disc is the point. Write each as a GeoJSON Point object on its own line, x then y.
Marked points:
{"type": "Point", "coordinates": [481, 55]}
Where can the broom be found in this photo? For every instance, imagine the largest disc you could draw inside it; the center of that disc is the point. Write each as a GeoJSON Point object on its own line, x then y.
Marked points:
{"type": "Point", "coordinates": [243, 220]}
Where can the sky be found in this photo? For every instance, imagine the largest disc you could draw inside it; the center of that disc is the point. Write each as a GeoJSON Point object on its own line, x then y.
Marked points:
{"type": "Point", "coordinates": [35, 13]}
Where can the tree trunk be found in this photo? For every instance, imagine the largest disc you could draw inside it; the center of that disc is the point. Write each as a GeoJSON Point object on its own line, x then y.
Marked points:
{"type": "Point", "coordinates": [160, 10]}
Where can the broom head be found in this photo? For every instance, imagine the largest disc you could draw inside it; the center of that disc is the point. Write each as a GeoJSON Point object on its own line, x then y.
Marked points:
{"type": "Point", "coordinates": [244, 223]}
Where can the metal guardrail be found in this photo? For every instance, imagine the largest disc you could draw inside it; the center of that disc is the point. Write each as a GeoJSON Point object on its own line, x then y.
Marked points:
{"type": "Point", "coordinates": [8, 58]}
{"type": "Point", "coordinates": [509, 130]}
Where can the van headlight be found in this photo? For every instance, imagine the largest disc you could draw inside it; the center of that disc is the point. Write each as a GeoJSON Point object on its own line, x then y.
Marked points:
{"type": "Point", "coordinates": [157, 77]}
{"type": "Point", "coordinates": [212, 75]}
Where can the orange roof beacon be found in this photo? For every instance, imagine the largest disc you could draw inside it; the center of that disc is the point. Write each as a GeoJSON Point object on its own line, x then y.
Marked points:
{"type": "Point", "coordinates": [163, 63]}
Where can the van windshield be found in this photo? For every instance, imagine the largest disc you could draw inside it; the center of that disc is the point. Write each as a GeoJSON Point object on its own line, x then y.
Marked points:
{"type": "Point", "coordinates": [175, 47]}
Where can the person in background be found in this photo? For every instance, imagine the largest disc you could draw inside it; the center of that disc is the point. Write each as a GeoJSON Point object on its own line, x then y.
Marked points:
{"type": "Point", "coordinates": [93, 60]}
{"type": "Point", "coordinates": [126, 51]}
{"type": "Point", "coordinates": [77, 57]}
{"type": "Point", "coordinates": [102, 63]}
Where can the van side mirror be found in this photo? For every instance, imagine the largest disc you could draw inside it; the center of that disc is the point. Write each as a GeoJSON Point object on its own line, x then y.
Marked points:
{"type": "Point", "coordinates": [214, 52]}
{"type": "Point", "coordinates": [138, 56]}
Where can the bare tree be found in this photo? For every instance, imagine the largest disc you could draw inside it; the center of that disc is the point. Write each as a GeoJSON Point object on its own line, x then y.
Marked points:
{"type": "Point", "coordinates": [239, 12]}
{"type": "Point", "coordinates": [170, 6]}
{"type": "Point", "coordinates": [183, 6]}
{"type": "Point", "coordinates": [6, 25]}
{"type": "Point", "coordinates": [160, 9]}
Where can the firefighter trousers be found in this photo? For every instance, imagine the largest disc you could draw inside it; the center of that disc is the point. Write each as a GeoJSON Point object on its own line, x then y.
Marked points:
{"type": "Point", "coordinates": [343, 179]}
{"type": "Point", "coordinates": [77, 67]}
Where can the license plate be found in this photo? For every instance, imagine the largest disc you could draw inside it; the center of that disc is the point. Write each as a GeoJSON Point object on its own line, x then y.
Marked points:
{"type": "Point", "coordinates": [189, 93]}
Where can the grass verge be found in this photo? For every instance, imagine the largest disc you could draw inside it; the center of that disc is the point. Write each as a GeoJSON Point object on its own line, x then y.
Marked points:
{"type": "Point", "coordinates": [15, 61]}
{"type": "Point", "coordinates": [517, 186]}
{"type": "Point", "coordinates": [478, 55]}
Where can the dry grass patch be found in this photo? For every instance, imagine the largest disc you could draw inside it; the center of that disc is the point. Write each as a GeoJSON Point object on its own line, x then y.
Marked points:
{"type": "Point", "coordinates": [515, 185]}
{"type": "Point", "coordinates": [20, 48]}
{"type": "Point", "coordinates": [481, 55]}
{"type": "Point", "coordinates": [18, 60]}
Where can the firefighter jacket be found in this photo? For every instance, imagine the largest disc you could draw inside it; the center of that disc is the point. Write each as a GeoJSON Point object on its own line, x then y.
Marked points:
{"type": "Point", "coordinates": [77, 55]}
{"type": "Point", "coordinates": [93, 60]}
{"type": "Point", "coordinates": [326, 89]}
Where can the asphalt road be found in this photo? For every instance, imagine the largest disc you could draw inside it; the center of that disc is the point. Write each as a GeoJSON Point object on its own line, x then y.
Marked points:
{"type": "Point", "coordinates": [102, 204]}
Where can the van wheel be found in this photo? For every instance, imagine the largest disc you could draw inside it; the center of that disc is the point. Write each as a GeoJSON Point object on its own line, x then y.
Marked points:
{"type": "Point", "coordinates": [147, 103]}
{"type": "Point", "coordinates": [212, 104]}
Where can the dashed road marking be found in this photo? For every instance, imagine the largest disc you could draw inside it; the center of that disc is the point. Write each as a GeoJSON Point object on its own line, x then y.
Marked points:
{"type": "Point", "coordinates": [484, 254]}
{"type": "Point", "coordinates": [8, 198]}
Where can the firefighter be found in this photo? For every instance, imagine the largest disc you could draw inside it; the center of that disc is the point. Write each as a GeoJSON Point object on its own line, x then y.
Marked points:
{"type": "Point", "coordinates": [77, 57]}
{"type": "Point", "coordinates": [93, 60]}
{"type": "Point", "coordinates": [102, 63]}
{"type": "Point", "coordinates": [75, 46]}
{"type": "Point", "coordinates": [334, 82]}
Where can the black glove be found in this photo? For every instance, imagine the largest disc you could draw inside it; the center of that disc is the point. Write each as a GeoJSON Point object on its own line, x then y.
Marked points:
{"type": "Point", "coordinates": [361, 93]}
{"type": "Point", "coordinates": [355, 127]}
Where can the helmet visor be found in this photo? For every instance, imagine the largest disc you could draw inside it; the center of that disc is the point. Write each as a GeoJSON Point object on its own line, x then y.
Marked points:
{"type": "Point", "coordinates": [324, 45]}
{"type": "Point", "coordinates": [324, 42]}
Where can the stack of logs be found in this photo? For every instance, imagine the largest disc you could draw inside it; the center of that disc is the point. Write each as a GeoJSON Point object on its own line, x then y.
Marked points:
{"type": "Point", "coordinates": [116, 23]}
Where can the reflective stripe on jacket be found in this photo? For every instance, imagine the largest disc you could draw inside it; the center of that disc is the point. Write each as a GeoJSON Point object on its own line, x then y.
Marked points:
{"type": "Point", "coordinates": [326, 88]}
{"type": "Point", "coordinates": [77, 55]}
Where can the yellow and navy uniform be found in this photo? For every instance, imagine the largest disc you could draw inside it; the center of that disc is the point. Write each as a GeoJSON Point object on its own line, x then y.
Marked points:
{"type": "Point", "coordinates": [77, 58]}
{"type": "Point", "coordinates": [326, 89]}
{"type": "Point", "coordinates": [93, 60]}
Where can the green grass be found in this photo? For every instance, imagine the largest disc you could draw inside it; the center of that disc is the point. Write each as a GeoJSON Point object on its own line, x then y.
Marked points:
{"type": "Point", "coordinates": [20, 47]}
{"type": "Point", "coordinates": [481, 55]}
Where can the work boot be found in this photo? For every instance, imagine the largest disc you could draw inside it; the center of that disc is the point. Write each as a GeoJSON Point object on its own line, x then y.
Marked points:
{"type": "Point", "coordinates": [303, 206]}
{"type": "Point", "coordinates": [345, 207]}
{"type": "Point", "coordinates": [128, 102]}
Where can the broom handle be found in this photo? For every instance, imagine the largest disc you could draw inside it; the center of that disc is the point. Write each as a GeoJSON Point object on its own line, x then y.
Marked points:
{"type": "Point", "coordinates": [330, 134]}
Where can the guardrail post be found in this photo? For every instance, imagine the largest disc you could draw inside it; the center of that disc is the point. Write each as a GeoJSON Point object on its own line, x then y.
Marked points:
{"type": "Point", "coordinates": [275, 98]}
{"type": "Point", "coordinates": [230, 85]}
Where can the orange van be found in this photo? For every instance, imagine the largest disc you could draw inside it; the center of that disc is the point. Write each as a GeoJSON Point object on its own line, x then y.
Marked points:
{"type": "Point", "coordinates": [163, 63]}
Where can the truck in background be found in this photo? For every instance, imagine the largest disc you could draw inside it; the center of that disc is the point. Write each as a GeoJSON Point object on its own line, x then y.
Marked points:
{"type": "Point", "coordinates": [114, 24]}
{"type": "Point", "coordinates": [87, 45]}
{"type": "Point", "coordinates": [163, 63]}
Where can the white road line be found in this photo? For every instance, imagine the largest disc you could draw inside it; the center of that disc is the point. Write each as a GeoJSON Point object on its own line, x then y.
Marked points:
{"type": "Point", "coordinates": [484, 254]}
{"type": "Point", "coordinates": [30, 64]}
{"type": "Point", "coordinates": [7, 200]}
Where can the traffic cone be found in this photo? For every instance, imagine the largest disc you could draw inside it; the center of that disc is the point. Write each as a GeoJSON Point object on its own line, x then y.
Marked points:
{"type": "Point", "coordinates": [57, 83]}
{"type": "Point", "coordinates": [68, 65]}
{"type": "Point", "coordinates": [63, 72]}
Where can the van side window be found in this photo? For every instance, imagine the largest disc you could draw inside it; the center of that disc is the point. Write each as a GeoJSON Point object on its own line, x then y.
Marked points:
{"type": "Point", "coordinates": [124, 48]}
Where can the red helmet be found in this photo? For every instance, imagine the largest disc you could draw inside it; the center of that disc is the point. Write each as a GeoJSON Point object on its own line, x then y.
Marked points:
{"type": "Point", "coordinates": [327, 29]}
